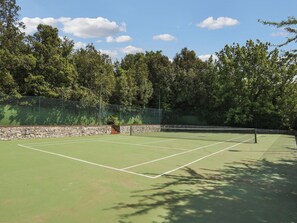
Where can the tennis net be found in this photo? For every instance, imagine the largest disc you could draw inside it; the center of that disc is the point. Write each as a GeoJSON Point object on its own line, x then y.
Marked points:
{"type": "Point", "coordinates": [228, 134]}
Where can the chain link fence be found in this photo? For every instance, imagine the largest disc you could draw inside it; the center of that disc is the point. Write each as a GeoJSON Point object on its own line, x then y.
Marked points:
{"type": "Point", "coordinates": [29, 110]}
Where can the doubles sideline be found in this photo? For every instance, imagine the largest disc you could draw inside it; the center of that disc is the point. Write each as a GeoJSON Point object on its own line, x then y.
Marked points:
{"type": "Point", "coordinates": [139, 174]}
{"type": "Point", "coordinates": [66, 142]}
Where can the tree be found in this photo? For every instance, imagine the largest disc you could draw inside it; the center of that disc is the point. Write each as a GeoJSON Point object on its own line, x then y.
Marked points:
{"type": "Point", "coordinates": [250, 85]}
{"type": "Point", "coordinates": [125, 89]}
{"type": "Point", "coordinates": [161, 76]}
{"type": "Point", "coordinates": [10, 33]}
{"type": "Point", "coordinates": [53, 75]}
{"type": "Point", "coordinates": [135, 69]}
{"type": "Point", "coordinates": [189, 80]}
{"type": "Point", "coordinates": [15, 58]}
{"type": "Point", "coordinates": [95, 72]}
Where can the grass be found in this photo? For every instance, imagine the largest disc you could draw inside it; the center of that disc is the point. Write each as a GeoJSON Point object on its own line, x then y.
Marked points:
{"type": "Point", "coordinates": [118, 178]}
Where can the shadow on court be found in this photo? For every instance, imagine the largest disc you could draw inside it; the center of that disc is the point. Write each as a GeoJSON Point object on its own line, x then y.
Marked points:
{"type": "Point", "coordinates": [246, 192]}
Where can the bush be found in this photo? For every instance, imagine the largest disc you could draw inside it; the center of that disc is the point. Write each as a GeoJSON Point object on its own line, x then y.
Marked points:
{"type": "Point", "coordinates": [135, 120]}
{"type": "Point", "coordinates": [113, 120]}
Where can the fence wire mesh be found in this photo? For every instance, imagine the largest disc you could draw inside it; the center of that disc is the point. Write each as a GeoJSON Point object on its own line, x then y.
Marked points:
{"type": "Point", "coordinates": [30, 110]}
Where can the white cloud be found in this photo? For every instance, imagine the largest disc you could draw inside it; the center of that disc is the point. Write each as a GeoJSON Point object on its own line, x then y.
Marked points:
{"type": "Point", "coordinates": [164, 37]}
{"type": "Point", "coordinates": [32, 23]}
{"type": "Point", "coordinates": [206, 57]}
{"type": "Point", "coordinates": [119, 39]}
{"type": "Point", "coordinates": [92, 27]}
{"type": "Point", "coordinates": [109, 39]}
{"type": "Point", "coordinates": [79, 27]}
{"type": "Point", "coordinates": [219, 23]}
{"type": "Point", "coordinates": [131, 50]}
{"type": "Point", "coordinates": [78, 45]}
{"type": "Point", "coordinates": [111, 53]}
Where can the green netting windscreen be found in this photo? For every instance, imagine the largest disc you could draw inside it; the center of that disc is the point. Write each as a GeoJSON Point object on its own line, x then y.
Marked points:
{"type": "Point", "coordinates": [16, 111]}
{"type": "Point", "coordinates": [178, 117]}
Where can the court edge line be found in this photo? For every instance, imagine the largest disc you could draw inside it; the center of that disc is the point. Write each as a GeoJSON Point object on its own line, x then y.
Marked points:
{"type": "Point", "coordinates": [204, 157]}
{"type": "Point", "coordinates": [100, 140]}
{"type": "Point", "coordinates": [181, 153]}
{"type": "Point", "coordinates": [85, 161]}
{"type": "Point", "coordinates": [77, 139]}
{"type": "Point", "coordinates": [167, 140]}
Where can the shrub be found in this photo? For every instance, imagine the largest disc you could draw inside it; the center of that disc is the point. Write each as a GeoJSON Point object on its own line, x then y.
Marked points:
{"type": "Point", "coordinates": [113, 120]}
{"type": "Point", "coordinates": [135, 120]}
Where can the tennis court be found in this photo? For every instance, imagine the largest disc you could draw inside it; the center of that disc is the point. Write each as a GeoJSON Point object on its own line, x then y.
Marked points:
{"type": "Point", "coordinates": [84, 179]}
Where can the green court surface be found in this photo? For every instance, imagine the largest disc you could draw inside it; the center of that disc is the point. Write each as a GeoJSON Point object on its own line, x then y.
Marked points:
{"type": "Point", "coordinates": [122, 178]}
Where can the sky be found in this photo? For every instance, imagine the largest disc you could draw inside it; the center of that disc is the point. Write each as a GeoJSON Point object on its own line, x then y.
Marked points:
{"type": "Point", "coordinates": [120, 27]}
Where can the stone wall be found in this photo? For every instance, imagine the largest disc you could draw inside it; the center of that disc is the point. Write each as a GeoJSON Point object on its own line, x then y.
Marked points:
{"type": "Point", "coordinates": [145, 128]}
{"type": "Point", "coordinates": [125, 129]}
{"type": "Point", "coordinates": [29, 132]}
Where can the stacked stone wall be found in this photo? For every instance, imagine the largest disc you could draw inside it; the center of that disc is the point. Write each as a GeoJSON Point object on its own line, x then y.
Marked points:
{"type": "Point", "coordinates": [30, 132]}
{"type": "Point", "coordinates": [145, 128]}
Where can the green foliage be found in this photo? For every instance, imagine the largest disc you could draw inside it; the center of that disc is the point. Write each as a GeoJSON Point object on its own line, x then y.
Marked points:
{"type": "Point", "coordinates": [16, 60]}
{"type": "Point", "coordinates": [113, 120]}
{"type": "Point", "coordinates": [249, 85]}
{"type": "Point", "coordinates": [10, 34]}
{"type": "Point", "coordinates": [161, 75]}
{"type": "Point", "coordinates": [7, 82]}
{"type": "Point", "coordinates": [133, 86]}
{"type": "Point", "coordinates": [95, 72]}
{"type": "Point", "coordinates": [53, 74]}
{"type": "Point", "coordinates": [137, 120]}
{"type": "Point", "coordinates": [190, 80]}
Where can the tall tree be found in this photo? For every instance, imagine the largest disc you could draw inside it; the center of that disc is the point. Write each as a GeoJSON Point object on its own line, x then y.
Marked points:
{"type": "Point", "coordinates": [53, 75]}
{"type": "Point", "coordinates": [162, 76]}
{"type": "Point", "coordinates": [15, 58]}
{"type": "Point", "coordinates": [10, 33]}
{"type": "Point", "coordinates": [137, 76]}
{"type": "Point", "coordinates": [251, 83]}
{"type": "Point", "coordinates": [189, 81]}
{"type": "Point", "coordinates": [95, 74]}
{"type": "Point", "coordinates": [125, 90]}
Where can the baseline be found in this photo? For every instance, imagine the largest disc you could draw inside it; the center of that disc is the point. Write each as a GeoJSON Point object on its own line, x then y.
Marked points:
{"type": "Point", "coordinates": [65, 142]}
{"type": "Point", "coordinates": [84, 161]}
{"type": "Point", "coordinates": [165, 140]}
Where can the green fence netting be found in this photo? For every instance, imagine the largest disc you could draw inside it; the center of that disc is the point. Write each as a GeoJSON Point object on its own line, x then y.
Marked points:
{"type": "Point", "coordinates": [29, 110]}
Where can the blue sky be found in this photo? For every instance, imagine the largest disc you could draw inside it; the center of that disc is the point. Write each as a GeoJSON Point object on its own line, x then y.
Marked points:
{"type": "Point", "coordinates": [118, 27]}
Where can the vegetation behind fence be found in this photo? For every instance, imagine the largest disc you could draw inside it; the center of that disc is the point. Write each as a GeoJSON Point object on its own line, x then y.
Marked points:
{"type": "Point", "coordinates": [17, 111]}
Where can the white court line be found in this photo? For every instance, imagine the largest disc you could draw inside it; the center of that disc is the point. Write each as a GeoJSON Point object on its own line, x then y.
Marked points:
{"type": "Point", "coordinates": [166, 140]}
{"type": "Point", "coordinates": [100, 140]}
{"type": "Point", "coordinates": [130, 172]}
{"type": "Point", "coordinates": [204, 157]}
{"type": "Point", "coordinates": [177, 154]}
{"type": "Point", "coordinates": [84, 161]}
{"type": "Point", "coordinates": [73, 141]}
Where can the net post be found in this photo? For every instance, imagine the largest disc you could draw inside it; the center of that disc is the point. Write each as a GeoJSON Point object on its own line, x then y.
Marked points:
{"type": "Point", "coordinates": [255, 133]}
{"type": "Point", "coordinates": [130, 130]}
